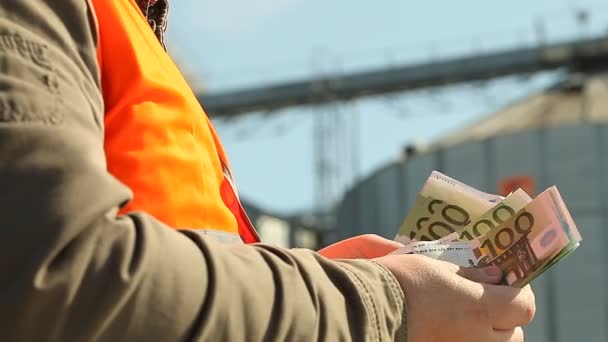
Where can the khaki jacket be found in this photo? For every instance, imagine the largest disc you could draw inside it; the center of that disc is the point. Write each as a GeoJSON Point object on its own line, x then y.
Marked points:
{"type": "Point", "coordinates": [72, 270]}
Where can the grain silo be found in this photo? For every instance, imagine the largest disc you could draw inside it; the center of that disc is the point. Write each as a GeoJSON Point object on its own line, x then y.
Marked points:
{"type": "Point", "coordinates": [557, 137]}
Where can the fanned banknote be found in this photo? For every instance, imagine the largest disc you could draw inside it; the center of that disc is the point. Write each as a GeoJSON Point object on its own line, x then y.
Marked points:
{"type": "Point", "coordinates": [442, 206]}
{"type": "Point", "coordinates": [494, 217]}
{"type": "Point", "coordinates": [523, 237]}
{"type": "Point", "coordinates": [459, 253]}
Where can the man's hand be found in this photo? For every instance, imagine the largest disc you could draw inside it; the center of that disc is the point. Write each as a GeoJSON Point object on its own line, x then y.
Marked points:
{"type": "Point", "coordinates": [449, 303]}
{"type": "Point", "coordinates": [367, 246]}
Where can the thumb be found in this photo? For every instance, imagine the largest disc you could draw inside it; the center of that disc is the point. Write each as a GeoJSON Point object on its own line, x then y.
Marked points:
{"type": "Point", "coordinates": [488, 275]}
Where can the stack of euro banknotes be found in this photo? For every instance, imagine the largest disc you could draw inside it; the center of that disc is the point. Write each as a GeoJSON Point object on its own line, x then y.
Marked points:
{"type": "Point", "coordinates": [454, 222]}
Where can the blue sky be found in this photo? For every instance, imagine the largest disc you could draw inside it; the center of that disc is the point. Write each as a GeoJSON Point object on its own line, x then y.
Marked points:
{"type": "Point", "coordinates": [230, 44]}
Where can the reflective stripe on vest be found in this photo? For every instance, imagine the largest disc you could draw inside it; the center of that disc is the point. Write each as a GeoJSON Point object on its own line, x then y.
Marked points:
{"type": "Point", "coordinates": [158, 140]}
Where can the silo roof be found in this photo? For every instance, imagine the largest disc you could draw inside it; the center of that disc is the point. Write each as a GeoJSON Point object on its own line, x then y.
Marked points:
{"type": "Point", "coordinates": [580, 98]}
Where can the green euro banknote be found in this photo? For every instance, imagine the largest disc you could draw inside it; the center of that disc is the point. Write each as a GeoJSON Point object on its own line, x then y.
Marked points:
{"type": "Point", "coordinates": [442, 206]}
{"type": "Point", "coordinates": [494, 217]}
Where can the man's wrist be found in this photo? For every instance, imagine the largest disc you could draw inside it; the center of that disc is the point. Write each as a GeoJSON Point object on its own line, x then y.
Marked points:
{"type": "Point", "coordinates": [386, 297]}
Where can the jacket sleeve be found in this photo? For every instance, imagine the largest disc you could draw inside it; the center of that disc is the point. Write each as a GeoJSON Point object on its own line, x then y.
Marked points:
{"type": "Point", "coordinates": [72, 270]}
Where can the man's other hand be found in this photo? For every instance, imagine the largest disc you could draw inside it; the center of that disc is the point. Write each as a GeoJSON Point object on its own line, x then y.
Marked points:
{"type": "Point", "coordinates": [367, 246]}
{"type": "Point", "coordinates": [450, 303]}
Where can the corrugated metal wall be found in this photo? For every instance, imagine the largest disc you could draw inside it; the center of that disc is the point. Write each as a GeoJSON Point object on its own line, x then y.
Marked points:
{"type": "Point", "coordinates": [572, 298]}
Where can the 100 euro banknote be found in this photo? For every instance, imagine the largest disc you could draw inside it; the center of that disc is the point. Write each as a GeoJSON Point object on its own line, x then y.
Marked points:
{"type": "Point", "coordinates": [442, 206]}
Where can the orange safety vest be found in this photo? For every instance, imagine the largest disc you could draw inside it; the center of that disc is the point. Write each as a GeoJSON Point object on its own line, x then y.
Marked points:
{"type": "Point", "coordinates": [158, 139]}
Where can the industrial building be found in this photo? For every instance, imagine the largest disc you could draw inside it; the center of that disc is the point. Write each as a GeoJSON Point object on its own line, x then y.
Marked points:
{"type": "Point", "coordinates": [557, 137]}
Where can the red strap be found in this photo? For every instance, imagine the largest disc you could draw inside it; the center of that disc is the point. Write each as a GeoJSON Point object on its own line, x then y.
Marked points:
{"type": "Point", "coordinates": [246, 229]}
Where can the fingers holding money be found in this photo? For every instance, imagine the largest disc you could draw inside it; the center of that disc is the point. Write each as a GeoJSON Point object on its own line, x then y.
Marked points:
{"type": "Point", "coordinates": [504, 307]}
{"type": "Point", "coordinates": [507, 307]}
{"type": "Point", "coordinates": [512, 335]}
{"type": "Point", "coordinates": [450, 303]}
{"type": "Point", "coordinates": [486, 275]}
